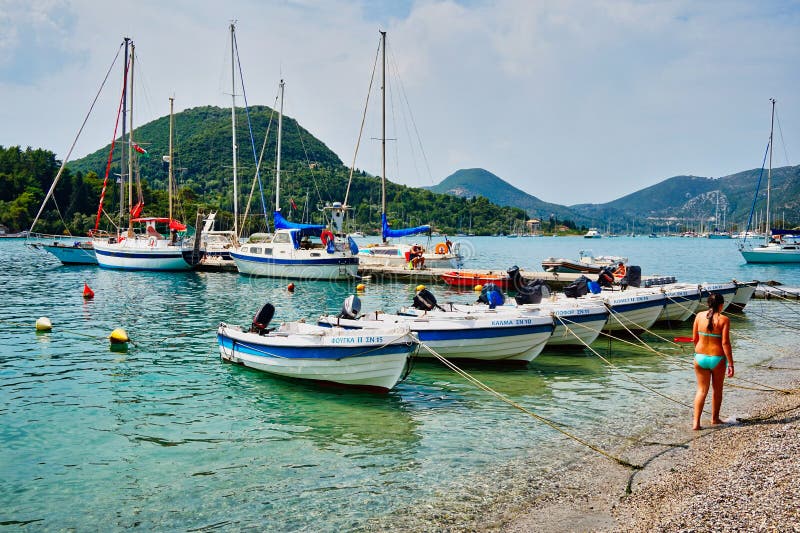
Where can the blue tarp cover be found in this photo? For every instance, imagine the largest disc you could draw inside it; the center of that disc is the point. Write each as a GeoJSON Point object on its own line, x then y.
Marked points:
{"type": "Point", "coordinates": [389, 232]}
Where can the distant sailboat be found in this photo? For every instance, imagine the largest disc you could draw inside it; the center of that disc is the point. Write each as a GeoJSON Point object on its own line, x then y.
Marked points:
{"type": "Point", "coordinates": [780, 246]}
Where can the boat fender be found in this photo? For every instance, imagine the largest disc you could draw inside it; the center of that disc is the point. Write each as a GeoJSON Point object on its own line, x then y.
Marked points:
{"type": "Point", "coordinates": [441, 248]}
{"type": "Point", "coordinates": [353, 245]}
{"type": "Point", "coordinates": [151, 242]}
{"type": "Point", "coordinates": [326, 236]}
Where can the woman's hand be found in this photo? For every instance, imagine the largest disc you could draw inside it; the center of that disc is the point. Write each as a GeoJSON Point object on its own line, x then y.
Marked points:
{"type": "Point", "coordinates": [729, 372]}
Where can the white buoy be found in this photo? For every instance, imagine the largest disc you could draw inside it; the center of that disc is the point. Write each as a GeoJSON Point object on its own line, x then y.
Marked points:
{"type": "Point", "coordinates": [43, 324]}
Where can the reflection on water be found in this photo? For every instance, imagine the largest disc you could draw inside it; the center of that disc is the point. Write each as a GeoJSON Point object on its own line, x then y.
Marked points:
{"type": "Point", "coordinates": [165, 436]}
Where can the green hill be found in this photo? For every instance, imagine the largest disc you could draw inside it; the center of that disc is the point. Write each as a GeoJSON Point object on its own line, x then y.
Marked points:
{"type": "Point", "coordinates": [472, 182]}
{"type": "Point", "coordinates": [203, 158]}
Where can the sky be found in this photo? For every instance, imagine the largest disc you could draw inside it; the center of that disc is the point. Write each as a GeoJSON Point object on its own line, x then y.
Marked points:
{"type": "Point", "coordinates": [573, 101]}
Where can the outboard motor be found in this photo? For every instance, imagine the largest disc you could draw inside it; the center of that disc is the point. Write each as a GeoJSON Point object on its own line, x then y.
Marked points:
{"type": "Point", "coordinates": [350, 308]}
{"type": "Point", "coordinates": [491, 296]}
{"type": "Point", "coordinates": [517, 282]}
{"type": "Point", "coordinates": [577, 288]}
{"type": "Point", "coordinates": [606, 277]}
{"type": "Point", "coordinates": [633, 277]}
{"type": "Point", "coordinates": [262, 319]}
{"type": "Point", "coordinates": [532, 293]}
{"type": "Point", "coordinates": [424, 300]}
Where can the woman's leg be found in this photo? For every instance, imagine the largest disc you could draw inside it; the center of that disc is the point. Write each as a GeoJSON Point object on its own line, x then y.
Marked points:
{"type": "Point", "coordinates": [717, 379]}
{"type": "Point", "coordinates": [703, 382]}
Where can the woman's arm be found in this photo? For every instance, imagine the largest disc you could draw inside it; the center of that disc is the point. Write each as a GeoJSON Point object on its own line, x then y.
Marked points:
{"type": "Point", "coordinates": [726, 345]}
{"type": "Point", "coordinates": [695, 335]}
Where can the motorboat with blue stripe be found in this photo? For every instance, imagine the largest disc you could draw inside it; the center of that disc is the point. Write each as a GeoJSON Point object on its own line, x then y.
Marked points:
{"type": "Point", "coordinates": [479, 336]}
{"type": "Point", "coordinates": [374, 360]}
{"type": "Point", "coordinates": [683, 299]}
{"type": "Point", "coordinates": [726, 289]}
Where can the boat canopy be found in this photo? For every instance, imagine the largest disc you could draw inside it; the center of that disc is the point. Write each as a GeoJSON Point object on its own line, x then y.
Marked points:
{"type": "Point", "coordinates": [776, 231]}
{"type": "Point", "coordinates": [389, 232]}
{"type": "Point", "coordinates": [173, 224]}
{"type": "Point", "coordinates": [282, 223]}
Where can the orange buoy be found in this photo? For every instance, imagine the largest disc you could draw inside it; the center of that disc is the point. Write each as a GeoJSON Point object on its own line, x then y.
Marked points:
{"type": "Point", "coordinates": [88, 293]}
{"type": "Point", "coordinates": [291, 287]}
{"type": "Point", "coordinates": [360, 287]}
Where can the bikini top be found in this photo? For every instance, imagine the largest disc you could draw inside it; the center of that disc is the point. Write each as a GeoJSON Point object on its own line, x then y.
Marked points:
{"type": "Point", "coordinates": [704, 334]}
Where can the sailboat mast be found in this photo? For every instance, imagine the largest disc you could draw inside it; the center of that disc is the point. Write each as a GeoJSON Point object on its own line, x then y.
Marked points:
{"type": "Point", "coordinates": [769, 171]}
{"type": "Point", "coordinates": [233, 134]}
{"type": "Point", "coordinates": [278, 156]}
{"type": "Point", "coordinates": [169, 181]}
{"type": "Point", "coordinates": [130, 151]}
{"type": "Point", "coordinates": [383, 127]}
{"type": "Point", "coordinates": [124, 127]}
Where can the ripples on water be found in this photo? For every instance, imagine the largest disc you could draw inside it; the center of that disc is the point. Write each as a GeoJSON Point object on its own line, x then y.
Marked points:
{"type": "Point", "coordinates": [165, 436]}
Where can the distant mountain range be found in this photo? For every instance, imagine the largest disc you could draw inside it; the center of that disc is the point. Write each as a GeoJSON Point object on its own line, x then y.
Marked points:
{"type": "Point", "coordinates": [688, 199]}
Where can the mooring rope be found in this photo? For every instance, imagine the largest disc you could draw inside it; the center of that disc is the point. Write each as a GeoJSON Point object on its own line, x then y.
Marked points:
{"type": "Point", "coordinates": [554, 425]}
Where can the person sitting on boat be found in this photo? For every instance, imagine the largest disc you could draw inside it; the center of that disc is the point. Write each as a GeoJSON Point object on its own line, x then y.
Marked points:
{"type": "Point", "coordinates": [305, 242]}
{"type": "Point", "coordinates": [620, 271]}
{"type": "Point", "coordinates": [416, 258]}
{"type": "Point", "coordinates": [713, 358]}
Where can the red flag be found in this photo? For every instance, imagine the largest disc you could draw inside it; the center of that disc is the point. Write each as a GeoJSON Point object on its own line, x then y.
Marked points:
{"type": "Point", "coordinates": [294, 205]}
{"type": "Point", "coordinates": [139, 149]}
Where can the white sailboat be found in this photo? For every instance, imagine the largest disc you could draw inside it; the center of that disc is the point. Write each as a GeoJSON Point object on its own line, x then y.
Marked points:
{"type": "Point", "coordinates": [299, 251]}
{"type": "Point", "coordinates": [780, 246]}
{"type": "Point", "coordinates": [156, 245]}
{"type": "Point", "coordinates": [443, 255]}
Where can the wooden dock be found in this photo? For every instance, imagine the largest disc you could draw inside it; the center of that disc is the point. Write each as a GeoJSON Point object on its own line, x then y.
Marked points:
{"type": "Point", "coordinates": [434, 275]}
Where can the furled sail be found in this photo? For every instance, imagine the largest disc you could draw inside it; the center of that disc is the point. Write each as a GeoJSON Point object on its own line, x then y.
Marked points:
{"type": "Point", "coordinates": [389, 232]}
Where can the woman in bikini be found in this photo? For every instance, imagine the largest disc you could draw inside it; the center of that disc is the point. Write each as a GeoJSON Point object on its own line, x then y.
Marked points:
{"type": "Point", "coordinates": [713, 358]}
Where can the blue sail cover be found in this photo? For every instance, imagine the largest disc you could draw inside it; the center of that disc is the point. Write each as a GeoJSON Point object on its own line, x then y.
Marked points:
{"type": "Point", "coordinates": [282, 223]}
{"type": "Point", "coordinates": [389, 232]}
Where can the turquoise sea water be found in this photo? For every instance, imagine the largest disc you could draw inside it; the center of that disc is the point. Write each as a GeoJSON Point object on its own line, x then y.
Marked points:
{"type": "Point", "coordinates": [165, 436]}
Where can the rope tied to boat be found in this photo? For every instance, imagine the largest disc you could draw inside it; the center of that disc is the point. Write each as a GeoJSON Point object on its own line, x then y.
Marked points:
{"type": "Point", "coordinates": [554, 425]}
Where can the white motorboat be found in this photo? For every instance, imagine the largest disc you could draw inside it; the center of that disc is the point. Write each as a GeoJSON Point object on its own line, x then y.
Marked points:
{"type": "Point", "coordinates": [374, 361]}
{"type": "Point", "coordinates": [683, 299]}
{"type": "Point", "coordinates": [632, 309]}
{"type": "Point", "coordinates": [485, 336]}
{"type": "Point", "coordinates": [593, 233]}
{"type": "Point", "coordinates": [726, 289]}
{"type": "Point", "coordinates": [744, 292]}
{"type": "Point", "coordinates": [587, 263]}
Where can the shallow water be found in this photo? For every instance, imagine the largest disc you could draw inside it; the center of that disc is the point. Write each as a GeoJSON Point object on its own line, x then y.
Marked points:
{"type": "Point", "coordinates": [165, 436]}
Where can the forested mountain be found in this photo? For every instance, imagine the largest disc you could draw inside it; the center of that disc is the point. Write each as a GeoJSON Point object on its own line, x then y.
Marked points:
{"type": "Point", "coordinates": [203, 159]}
{"type": "Point", "coordinates": [471, 182]}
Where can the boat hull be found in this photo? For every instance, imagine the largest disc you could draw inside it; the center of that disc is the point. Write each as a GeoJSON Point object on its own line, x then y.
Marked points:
{"type": "Point", "coordinates": [349, 359]}
{"type": "Point", "coordinates": [577, 328]}
{"type": "Point", "coordinates": [335, 267]}
{"type": "Point", "coordinates": [140, 254]}
{"type": "Point", "coordinates": [744, 292]}
{"type": "Point", "coordinates": [727, 290]}
{"type": "Point", "coordinates": [682, 303]}
{"type": "Point", "coordinates": [779, 256]}
{"type": "Point", "coordinates": [71, 255]}
{"type": "Point", "coordinates": [467, 279]}
{"type": "Point", "coordinates": [499, 338]}
{"type": "Point", "coordinates": [634, 312]}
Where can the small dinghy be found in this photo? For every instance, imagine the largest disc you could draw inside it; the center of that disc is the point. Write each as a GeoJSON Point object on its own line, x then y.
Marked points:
{"type": "Point", "coordinates": [373, 360]}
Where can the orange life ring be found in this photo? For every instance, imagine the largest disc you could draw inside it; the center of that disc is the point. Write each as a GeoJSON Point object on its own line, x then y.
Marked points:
{"type": "Point", "coordinates": [441, 248]}
{"type": "Point", "coordinates": [325, 236]}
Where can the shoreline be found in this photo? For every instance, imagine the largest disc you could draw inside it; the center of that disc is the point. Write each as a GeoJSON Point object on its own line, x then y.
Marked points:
{"type": "Point", "coordinates": [744, 475]}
